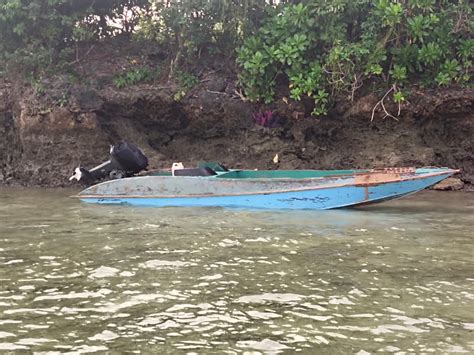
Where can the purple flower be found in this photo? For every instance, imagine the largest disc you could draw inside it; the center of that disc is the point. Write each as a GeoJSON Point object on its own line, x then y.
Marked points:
{"type": "Point", "coordinates": [266, 119]}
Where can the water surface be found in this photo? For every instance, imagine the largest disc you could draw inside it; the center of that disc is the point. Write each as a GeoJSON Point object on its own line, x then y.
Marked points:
{"type": "Point", "coordinates": [394, 277]}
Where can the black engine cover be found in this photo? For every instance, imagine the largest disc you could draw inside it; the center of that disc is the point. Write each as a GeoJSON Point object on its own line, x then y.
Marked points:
{"type": "Point", "coordinates": [129, 158]}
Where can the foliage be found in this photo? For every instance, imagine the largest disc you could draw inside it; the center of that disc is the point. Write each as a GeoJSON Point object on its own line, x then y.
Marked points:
{"type": "Point", "coordinates": [35, 33]}
{"type": "Point", "coordinates": [267, 119]}
{"type": "Point", "coordinates": [38, 34]}
{"type": "Point", "coordinates": [62, 100]}
{"type": "Point", "coordinates": [327, 50]}
{"type": "Point", "coordinates": [324, 50]}
{"type": "Point", "coordinates": [190, 27]}
{"type": "Point", "coordinates": [186, 82]}
{"type": "Point", "coordinates": [134, 76]}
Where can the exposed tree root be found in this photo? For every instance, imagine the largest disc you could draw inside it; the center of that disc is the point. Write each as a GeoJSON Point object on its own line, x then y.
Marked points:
{"type": "Point", "coordinates": [381, 103]}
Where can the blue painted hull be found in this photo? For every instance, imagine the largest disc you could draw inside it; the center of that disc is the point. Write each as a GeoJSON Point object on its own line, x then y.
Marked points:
{"type": "Point", "coordinates": [318, 198]}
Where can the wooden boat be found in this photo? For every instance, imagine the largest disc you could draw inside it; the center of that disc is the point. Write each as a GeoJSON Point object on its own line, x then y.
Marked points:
{"type": "Point", "coordinates": [269, 189]}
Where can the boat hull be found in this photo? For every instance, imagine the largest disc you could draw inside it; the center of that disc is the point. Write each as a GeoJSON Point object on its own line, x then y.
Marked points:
{"type": "Point", "coordinates": [327, 193]}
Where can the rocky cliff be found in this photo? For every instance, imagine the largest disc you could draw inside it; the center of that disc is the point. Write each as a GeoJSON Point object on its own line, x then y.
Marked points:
{"type": "Point", "coordinates": [44, 136]}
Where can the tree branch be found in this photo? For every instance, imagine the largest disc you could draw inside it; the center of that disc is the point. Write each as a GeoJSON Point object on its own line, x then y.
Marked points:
{"type": "Point", "coordinates": [381, 103]}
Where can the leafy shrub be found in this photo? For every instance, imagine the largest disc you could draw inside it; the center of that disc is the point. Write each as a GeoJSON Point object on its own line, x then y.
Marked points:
{"type": "Point", "coordinates": [328, 50]}
{"type": "Point", "coordinates": [186, 81]}
{"type": "Point", "coordinates": [192, 27]}
{"type": "Point", "coordinates": [133, 76]}
{"type": "Point", "coordinates": [34, 33]}
{"type": "Point", "coordinates": [325, 50]}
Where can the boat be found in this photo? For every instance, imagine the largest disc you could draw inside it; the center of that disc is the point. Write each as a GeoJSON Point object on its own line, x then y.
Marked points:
{"type": "Point", "coordinates": [266, 189]}
{"type": "Point", "coordinates": [211, 184]}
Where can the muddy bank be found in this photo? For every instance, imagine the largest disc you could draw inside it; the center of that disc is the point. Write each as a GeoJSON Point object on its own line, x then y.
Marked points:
{"type": "Point", "coordinates": [44, 136]}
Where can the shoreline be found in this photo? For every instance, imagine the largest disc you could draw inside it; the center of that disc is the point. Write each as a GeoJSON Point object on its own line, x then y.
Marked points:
{"type": "Point", "coordinates": [43, 141]}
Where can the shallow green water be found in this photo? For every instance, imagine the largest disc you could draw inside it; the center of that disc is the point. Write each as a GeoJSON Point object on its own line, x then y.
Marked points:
{"type": "Point", "coordinates": [394, 277]}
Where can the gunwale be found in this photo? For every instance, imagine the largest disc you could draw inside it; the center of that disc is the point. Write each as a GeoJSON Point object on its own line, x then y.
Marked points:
{"type": "Point", "coordinates": [309, 188]}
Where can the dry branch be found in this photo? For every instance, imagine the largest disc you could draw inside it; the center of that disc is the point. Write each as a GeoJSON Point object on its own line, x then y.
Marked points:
{"type": "Point", "coordinates": [381, 103]}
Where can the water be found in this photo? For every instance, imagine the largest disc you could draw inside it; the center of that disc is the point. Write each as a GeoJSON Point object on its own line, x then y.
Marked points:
{"type": "Point", "coordinates": [395, 277]}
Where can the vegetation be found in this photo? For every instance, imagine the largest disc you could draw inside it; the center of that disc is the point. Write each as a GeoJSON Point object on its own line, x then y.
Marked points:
{"type": "Point", "coordinates": [41, 33]}
{"type": "Point", "coordinates": [186, 82]}
{"type": "Point", "coordinates": [191, 27]}
{"type": "Point", "coordinates": [330, 49]}
{"type": "Point", "coordinates": [134, 76]}
{"type": "Point", "coordinates": [324, 50]}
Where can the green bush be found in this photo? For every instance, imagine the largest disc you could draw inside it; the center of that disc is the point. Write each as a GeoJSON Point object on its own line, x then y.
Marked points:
{"type": "Point", "coordinates": [328, 50]}
{"type": "Point", "coordinates": [134, 76]}
{"type": "Point", "coordinates": [35, 33]}
{"type": "Point", "coordinates": [186, 82]}
{"type": "Point", "coordinates": [325, 50]}
{"type": "Point", "coordinates": [192, 27]}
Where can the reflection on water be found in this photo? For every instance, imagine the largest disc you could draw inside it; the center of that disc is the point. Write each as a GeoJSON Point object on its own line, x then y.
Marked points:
{"type": "Point", "coordinates": [395, 277]}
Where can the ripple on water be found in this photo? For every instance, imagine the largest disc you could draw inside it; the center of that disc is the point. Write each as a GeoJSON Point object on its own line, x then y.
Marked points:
{"type": "Point", "coordinates": [106, 335]}
{"type": "Point", "coordinates": [265, 345]}
{"type": "Point", "coordinates": [157, 264]}
{"type": "Point", "coordinates": [211, 280]}
{"type": "Point", "coordinates": [104, 271]}
{"type": "Point", "coordinates": [6, 334]}
{"type": "Point", "coordinates": [271, 297]}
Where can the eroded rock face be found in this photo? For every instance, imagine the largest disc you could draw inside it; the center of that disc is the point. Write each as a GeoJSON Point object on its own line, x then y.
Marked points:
{"type": "Point", "coordinates": [452, 184]}
{"type": "Point", "coordinates": [42, 140]}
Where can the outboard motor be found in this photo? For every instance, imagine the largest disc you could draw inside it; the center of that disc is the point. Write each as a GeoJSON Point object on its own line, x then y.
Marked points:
{"type": "Point", "coordinates": [83, 175]}
{"type": "Point", "coordinates": [125, 160]}
{"type": "Point", "coordinates": [129, 158]}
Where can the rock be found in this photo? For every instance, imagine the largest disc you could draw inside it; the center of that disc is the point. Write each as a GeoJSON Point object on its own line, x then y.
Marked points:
{"type": "Point", "coordinates": [45, 134]}
{"type": "Point", "coordinates": [362, 107]}
{"type": "Point", "coordinates": [84, 99]}
{"type": "Point", "coordinates": [449, 184]}
{"type": "Point", "coordinates": [217, 85]}
{"type": "Point", "coordinates": [467, 177]}
{"type": "Point", "coordinates": [4, 99]}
